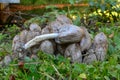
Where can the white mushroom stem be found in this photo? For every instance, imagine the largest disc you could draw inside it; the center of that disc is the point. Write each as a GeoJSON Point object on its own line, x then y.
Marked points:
{"type": "Point", "coordinates": [37, 39]}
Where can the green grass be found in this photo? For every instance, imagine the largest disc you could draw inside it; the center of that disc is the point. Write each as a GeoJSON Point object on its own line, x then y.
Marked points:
{"type": "Point", "coordinates": [58, 67]}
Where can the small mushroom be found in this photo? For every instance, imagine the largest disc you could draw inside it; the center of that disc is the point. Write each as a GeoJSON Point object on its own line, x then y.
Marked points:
{"type": "Point", "coordinates": [35, 27]}
{"type": "Point", "coordinates": [85, 43]}
{"type": "Point", "coordinates": [31, 35]}
{"type": "Point", "coordinates": [100, 46]}
{"type": "Point", "coordinates": [61, 48]}
{"type": "Point", "coordinates": [20, 40]}
{"type": "Point", "coordinates": [46, 30]}
{"type": "Point", "coordinates": [54, 26]}
{"type": "Point", "coordinates": [89, 57]}
{"type": "Point", "coordinates": [17, 44]}
{"type": "Point", "coordinates": [7, 60]}
{"type": "Point", "coordinates": [16, 39]}
{"type": "Point", "coordinates": [63, 19]}
{"type": "Point", "coordinates": [73, 52]}
{"type": "Point", "coordinates": [17, 48]}
{"type": "Point", "coordinates": [47, 47]}
{"type": "Point", "coordinates": [23, 36]}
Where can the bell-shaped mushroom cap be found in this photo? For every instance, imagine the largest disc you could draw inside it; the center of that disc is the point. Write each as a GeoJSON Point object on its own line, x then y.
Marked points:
{"type": "Point", "coordinates": [45, 30]}
{"type": "Point", "coordinates": [35, 27]}
{"type": "Point", "coordinates": [85, 43]}
{"type": "Point", "coordinates": [63, 19]}
{"type": "Point", "coordinates": [55, 26]}
{"type": "Point", "coordinates": [89, 58]}
{"type": "Point", "coordinates": [23, 36]}
{"type": "Point", "coordinates": [7, 59]}
{"type": "Point", "coordinates": [31, 35]}
{"type": "Point", "coordinates": [16, 40]}
{"type": "Point", "coordinates": [73, 52]}
{"type": "Point", "coordinates": [100, 46]}
{"type": "Point", "coordinates": [100, 38]}
{"type": "Point", "coordinates": [17, 44]}
{"type": "Point", "coordinates": [47, 47]}
{"type": "Point", "coordinates": [69, 34]}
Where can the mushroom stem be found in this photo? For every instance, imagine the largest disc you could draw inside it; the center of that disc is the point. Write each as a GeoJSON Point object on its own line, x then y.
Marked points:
{"type": "Point", "coordinates": [37, 39]}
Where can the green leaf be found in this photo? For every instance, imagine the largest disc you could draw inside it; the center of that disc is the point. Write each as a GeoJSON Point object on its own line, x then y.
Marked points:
{"type": "Point", "coordinates": [27, 59]}
{"type": "Point", "coordinates": [72, 1]}
{"type": "Point", "coordinates": [118, 66]}
{"type": "Point", "coordinates": [77, 21]}
{"type": "Point", "coordinates": [91, 69]}
{"type": "Point", "coordinates": [102, 8]}
{"type": "Point", "coordinates": [106, 78]}
{"type": "Point", "coordinates": [91, 3]}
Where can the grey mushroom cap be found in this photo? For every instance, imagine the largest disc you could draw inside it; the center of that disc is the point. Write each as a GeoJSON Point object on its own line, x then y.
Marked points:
{"type": "Point", "coordinates": [68, 34]}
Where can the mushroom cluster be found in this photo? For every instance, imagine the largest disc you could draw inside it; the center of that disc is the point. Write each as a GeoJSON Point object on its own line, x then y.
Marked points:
{"type": "Point", "coordinates": [61, 37]}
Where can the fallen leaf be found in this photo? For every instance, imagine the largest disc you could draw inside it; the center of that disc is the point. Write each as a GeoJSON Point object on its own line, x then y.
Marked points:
{"type": "Point", "coordinates": [83, 76]}
{"type": "Point", "coordinates": [111, 35]}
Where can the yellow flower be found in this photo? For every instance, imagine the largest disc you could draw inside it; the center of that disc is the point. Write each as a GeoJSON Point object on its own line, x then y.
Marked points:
{"type": "Point", "coordinates": [114, 13]}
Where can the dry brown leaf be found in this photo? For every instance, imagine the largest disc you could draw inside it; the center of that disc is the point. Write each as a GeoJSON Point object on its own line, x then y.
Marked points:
{"type": "Point", "coordinates": [111, 35]}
